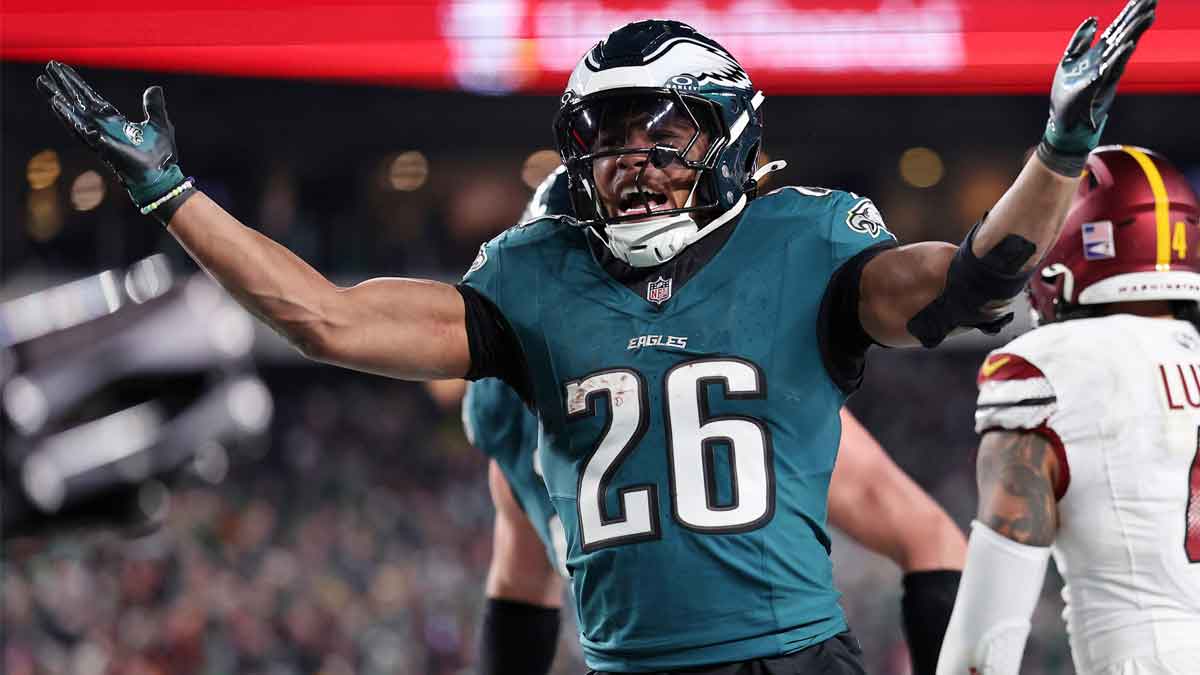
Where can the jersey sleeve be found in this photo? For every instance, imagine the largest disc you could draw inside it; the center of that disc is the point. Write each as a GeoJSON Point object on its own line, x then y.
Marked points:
{"type": "Point", "coordinates": [484, 275]}
{"type": "Point", "coordinates": [1014, 394]}
{"type": "Point", "coordinates": [855, 225]}
{"type": "Point", "coordinates": [1035, 384]}
{"type": "Point", "coordinates": [846, 232]}
{"type": "Point", "coordinates": [493, 417]}
{"type": "Point", "coordinates": [495, 348]}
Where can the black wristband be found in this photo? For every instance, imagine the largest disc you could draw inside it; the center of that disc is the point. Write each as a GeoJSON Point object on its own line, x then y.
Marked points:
{"type": "Point", "coordinates": [1065, 164]}
{"type": "Point", "coordinates": [163, 212]}
{"type": "Point", "coordinates": [517, 638]}
{"type": "Point", "coordinates": [926, 606]}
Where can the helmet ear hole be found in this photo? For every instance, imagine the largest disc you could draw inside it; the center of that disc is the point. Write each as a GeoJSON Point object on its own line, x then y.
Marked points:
{"type": "Point", "coordinates": [751, 162]}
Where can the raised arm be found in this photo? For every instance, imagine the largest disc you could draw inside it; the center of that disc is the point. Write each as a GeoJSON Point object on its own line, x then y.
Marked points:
{"type": "Point", "coordinates": [918, 294]}
{"type": "Point", "coordinates": [405, 328]}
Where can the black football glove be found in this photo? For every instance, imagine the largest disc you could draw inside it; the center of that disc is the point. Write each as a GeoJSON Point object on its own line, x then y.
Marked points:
{"type": "Point", "coordinates": [142, 154]}
{"type": "Point", "coordinates": [1085, 84]}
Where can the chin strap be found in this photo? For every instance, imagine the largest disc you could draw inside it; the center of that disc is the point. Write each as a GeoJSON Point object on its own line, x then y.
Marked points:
{"type": "Point", "coordinates": [769, 167]}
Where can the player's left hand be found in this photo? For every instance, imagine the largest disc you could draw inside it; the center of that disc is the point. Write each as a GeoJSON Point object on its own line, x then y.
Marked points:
{"type": "Point", "coordinates": [1086, 80]}
{"type": "Point", "coordinates": [142, 154]}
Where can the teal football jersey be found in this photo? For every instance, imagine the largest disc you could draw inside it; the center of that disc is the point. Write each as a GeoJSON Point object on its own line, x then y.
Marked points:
{"type": "Point", "coordinates": [688, 435]}
{"type": "Point", "coordinates": [497, 422]}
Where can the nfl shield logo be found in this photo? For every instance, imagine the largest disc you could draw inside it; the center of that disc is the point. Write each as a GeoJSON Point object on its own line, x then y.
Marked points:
{"type": "Point", "coordinates": [658, 291]}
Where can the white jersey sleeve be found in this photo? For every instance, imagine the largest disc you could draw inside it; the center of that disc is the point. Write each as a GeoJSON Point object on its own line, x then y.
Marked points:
{"type": "Point", "coordinates": [1036, 383]}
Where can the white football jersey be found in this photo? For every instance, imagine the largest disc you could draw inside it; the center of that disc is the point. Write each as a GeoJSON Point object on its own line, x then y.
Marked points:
{"type": "Point", "coordinates": [1120, 398]}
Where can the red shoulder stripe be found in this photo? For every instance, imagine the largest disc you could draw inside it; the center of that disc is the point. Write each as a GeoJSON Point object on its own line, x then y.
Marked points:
{"type": "Point", "coordinates": [1060, 452]}
{"type": "Point", "coordinates": [1001, 367]}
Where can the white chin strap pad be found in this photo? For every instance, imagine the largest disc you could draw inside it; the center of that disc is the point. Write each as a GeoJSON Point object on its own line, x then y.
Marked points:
{"type": "Point", "coordinates": [651, 242]}
{"type": "Point", "coordinates": [654, 241]}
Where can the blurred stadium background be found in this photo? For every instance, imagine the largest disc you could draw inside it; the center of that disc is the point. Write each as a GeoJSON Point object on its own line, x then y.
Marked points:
{"type": "Point", "coordinates": [269, 515]}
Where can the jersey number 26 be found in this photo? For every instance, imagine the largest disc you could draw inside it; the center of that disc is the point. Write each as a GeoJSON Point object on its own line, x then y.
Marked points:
{"type": "Point", "coordinates": [692, 435]}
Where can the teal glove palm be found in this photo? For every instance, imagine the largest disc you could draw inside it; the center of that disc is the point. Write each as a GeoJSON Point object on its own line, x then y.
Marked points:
{"type": "Point", "coordinates": [142, 154]}
{"type": "Point", "coordinates": [1086, 83]}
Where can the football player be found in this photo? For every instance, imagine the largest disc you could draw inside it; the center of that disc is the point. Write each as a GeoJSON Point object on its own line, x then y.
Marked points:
{"type": "Point", "coordinates": [1090, 441]}
{"type": "Point", "coordinates": [687, 343]}
{"type": "Point", "coordinates": [870, 499]}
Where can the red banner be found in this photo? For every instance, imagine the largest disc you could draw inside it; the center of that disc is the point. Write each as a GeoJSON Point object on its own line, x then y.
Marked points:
{"type": "Point", "coordinates": [788, 46]}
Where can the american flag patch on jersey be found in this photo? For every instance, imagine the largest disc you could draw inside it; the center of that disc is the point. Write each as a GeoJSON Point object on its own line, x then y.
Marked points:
{"type": "Point", "coordinates": [1098, 243]}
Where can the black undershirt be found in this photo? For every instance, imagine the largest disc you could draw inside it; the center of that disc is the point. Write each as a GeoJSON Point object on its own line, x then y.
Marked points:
{"type": "Point", "coordinates": [496, 351]}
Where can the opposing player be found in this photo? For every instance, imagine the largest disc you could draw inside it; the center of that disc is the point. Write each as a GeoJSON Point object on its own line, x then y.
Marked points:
{"type": "Point", "coordinates": [870, 499]}
{"type": "Point", "coordinates": [1090, 442]}
{"type": "Point", "coordinates": [687, 344]}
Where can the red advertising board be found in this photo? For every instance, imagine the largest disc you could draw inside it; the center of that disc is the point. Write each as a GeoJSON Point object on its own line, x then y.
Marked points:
{"type": "Point", "coordinates": [788, 46]}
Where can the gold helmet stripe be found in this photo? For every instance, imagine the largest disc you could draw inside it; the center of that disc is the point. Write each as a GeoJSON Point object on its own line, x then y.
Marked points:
{"type": "Point", "coordinates": [1162, 205]}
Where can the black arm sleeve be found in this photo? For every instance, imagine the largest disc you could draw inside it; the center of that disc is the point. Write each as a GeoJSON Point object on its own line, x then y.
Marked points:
{"type": "Point", "coordinates": [517, 638]}
{"type": "Point", "coordinates": [495, 350]}
{"type": "Point", "coordinates": [926, 606]}
{"type": "Point", "coordinates": [840, 333]}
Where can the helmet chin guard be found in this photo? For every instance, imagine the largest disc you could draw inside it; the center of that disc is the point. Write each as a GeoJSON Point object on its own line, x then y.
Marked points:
{"type": "Point", "coordinates": [653, 241]}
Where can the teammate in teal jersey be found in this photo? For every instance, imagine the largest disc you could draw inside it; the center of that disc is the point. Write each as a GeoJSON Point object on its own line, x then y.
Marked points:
{"type": "Point", "coordinates": [686, 343]}
{"type": "Point", "coordinates": [525, 577]}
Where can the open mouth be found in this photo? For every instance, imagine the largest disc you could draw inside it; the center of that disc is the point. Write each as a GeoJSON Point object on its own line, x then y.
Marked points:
{"type": "Point", "coordinates": [634, 202]}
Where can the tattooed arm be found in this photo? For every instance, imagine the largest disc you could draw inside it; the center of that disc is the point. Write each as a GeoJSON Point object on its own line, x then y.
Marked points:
{"type": "Point", "coordinates": [1007, 553]}
{"type": "Point", "coordinates": [1016, 474]}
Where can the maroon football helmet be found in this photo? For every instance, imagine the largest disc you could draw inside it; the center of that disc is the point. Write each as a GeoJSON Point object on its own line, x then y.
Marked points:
{"type": "Point", "coordinates": [1133, 233]}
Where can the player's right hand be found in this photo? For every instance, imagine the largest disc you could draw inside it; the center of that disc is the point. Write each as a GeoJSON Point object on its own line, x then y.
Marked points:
{"type": "Point", "coordinates": [142, 154]}
{"type": "Point", "coordinates": [1086, 80]}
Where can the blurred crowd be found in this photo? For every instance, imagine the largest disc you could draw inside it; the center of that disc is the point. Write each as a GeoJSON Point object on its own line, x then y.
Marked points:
{"type": "Point", "coordinates": [355, 545]}
{"type": "Point", "coordinates": [359, 541]}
